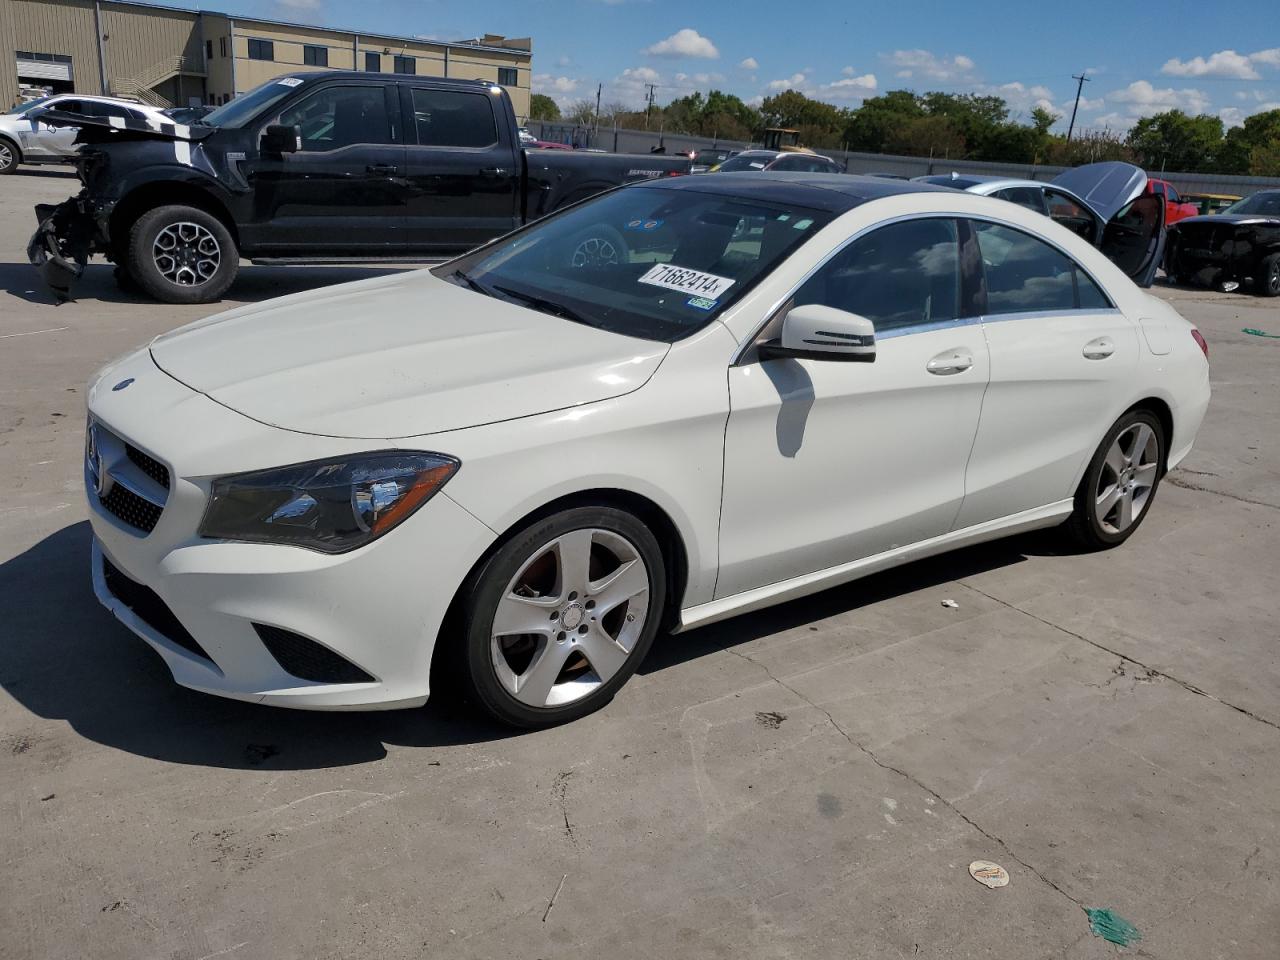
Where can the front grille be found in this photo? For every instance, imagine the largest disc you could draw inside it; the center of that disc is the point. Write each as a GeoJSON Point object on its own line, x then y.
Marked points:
{"type": "Point", "coordinates": [127, 506]}
{"type": "Point", "coordinates": [149, 608]}
{"type": "Point", "coordinates": [308, 660]}
{"type": "Point", "coordinates": [149, 465]}
{"type": "Point", "coordinates": [129, 484]}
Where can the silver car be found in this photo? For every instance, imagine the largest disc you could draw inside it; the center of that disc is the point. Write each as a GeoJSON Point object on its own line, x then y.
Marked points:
{"type": "Point", "coordinates": [1105, 203]}
{"type": "Point", "coordinates": [25, 138]}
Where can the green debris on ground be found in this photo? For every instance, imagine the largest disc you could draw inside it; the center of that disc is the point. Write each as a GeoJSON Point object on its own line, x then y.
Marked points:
{"type": "Point", "coordinates": [1260, 333]}
{"type": "Point", "coordinates": [1112, 927]}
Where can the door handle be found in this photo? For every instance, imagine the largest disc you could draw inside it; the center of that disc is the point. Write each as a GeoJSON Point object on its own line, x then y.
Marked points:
{"type": "Point", "coordinates": [1099, 348]}
{"type": "Point", "coordinates": [381, 168]}
{"type": "Point", "coordinates": [493, 171]}
{"type": "Point", "coordinates": [950, 362]}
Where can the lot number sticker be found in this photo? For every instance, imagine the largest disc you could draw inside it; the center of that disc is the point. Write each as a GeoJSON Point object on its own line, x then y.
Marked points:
{"type": "Point", "coordinates": [687, 281]}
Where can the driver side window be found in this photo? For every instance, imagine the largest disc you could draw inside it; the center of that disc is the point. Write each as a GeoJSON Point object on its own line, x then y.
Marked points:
{"type": "Point", "coordinates": [337, 117]}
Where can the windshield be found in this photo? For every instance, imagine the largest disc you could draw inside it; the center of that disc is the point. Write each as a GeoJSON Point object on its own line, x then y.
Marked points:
{"type": "Point", "coordinates": [640, 261]}
{"type": "Point", "coordinates": [30, 104]}
{"type": "Point", "coordinates": [746, 161]}
{"type": "Point", "coordinates": [242, 109]}
{"type": "Point", "coordinates": [1265, 204]}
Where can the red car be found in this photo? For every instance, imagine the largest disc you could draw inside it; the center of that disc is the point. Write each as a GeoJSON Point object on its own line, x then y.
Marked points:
{"type": "Point", "coordinates": [1174, 207]}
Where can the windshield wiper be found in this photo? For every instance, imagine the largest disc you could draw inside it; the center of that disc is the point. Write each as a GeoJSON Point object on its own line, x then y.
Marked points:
{"type": "Point", "coordinates": [545, 306]}
{"type": "Point", "coordinates": [472, 283]}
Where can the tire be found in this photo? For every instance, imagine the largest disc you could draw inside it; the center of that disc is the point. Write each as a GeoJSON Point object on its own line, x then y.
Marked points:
{"type": "Point", "coordinates": [1267, 283]}
{"type": "Point", "coordinates": [204, 260]}
{"type": "Point", "coordinates": [10, 156]}
{"type": "Point", "coordinates": [1097, 525]}
{"type": "Point", "coordinates": [596, 246]}
{"type": "Point", "coordinates": [571, 659]}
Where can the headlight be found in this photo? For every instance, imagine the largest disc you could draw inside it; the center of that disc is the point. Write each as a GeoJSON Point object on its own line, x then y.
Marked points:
{"type": "Point", "coordinates": [328, 505]}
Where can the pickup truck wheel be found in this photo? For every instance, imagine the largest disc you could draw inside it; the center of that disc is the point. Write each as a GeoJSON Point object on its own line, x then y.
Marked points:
{"type": "Point", "coordinates": [597, 246]}
{"type": "Point", "coordinates": [10, 156]}
{"type": "Point", "coordinates": [1268, 282]}
{"type": "Point", "coordinates": [180, 254]}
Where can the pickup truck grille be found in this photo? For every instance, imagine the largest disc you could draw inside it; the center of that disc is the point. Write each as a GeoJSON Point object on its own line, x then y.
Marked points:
{"type": "Point", "coordinates": [126, 482]}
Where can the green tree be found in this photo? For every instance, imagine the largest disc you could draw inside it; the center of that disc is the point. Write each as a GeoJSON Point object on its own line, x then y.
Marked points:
{"type": "Point", "coordinates": [1253, 147]}
{"type": "Point", "coordinates": [542, 107]}
{"type": "Point", "coordinates": [581, 112]}
{"type": "Point", "coordinates": [1042, 119]}
{"type": "Point", "coordinates": [820, 124]}
{"type": "Point", "coordinates": [1175, 141]}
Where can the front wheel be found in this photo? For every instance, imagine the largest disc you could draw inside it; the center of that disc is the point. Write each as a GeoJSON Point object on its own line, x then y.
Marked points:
{"type": "Point", "coordinates": [181, 254]}
{"type": "Point", "coordinates": [1120, 484]}
{"type": "Point", "coordinates": [10, 156]}
{"type": "Point", "coordinates": [1268, 282]}
{"type": "Point", "coordinates": [562, 614]}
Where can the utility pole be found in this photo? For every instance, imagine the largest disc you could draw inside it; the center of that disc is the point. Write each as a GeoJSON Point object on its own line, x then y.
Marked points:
{"type": "Point", "coordinates": [649, 105]}
{"type": "Point", "coordinates": [599, 87]}
{"type": "Point", "coordinates": [1079, 86]}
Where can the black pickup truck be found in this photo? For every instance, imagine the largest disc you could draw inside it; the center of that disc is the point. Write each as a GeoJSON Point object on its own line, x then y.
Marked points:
{"type": "Point", "coordinates": [319, 167]}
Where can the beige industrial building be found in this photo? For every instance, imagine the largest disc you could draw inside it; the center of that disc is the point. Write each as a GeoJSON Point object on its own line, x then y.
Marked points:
{"type": "Point", "coordinates": [170, 57]}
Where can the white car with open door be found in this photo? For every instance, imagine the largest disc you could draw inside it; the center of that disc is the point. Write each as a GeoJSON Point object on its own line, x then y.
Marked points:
{"type": "Point", "coordinates": [664, 406]}
{"type": "Point", "coordinates": [1102, 202]}
{"type": "Point", "coordinates": [26, 138]}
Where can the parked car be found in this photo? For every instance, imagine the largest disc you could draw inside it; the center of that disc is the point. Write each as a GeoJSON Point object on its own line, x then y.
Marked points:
{"type": "Point", "coordinates": [781, 161]}
{"type": "Point", "coordinates": [1207, 203]}
{"type": "Point", "coordinates": [1240, 245]}
{"type": "Point", "coordinates": [708, 157]}
{"type": "Point", "coordinates": [188, 115]}
{"type": "Point", "coordinates": [550, 145]}
{"type": "Point", "coordinates": [527, 139]}
{"type": "Point", "coordinates": [27, 137]}
{"type": "Point", "coordinates": [1101, 202]}
{"type": "Point", "coordinates": [515, 469]}
{"type": "Point", "coordinates": [1175, 207]}
{"type": "Point", "coordinates": [326, 165]}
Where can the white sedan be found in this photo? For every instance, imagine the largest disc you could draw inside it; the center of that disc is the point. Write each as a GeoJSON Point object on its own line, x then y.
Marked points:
{"type": "Point", "coordinates": [671, 404]}
{"type": "Point", "coordinates": [26, 138]}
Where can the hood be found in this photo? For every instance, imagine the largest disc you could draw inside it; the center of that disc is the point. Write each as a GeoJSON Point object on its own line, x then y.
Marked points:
{"type": "Point", "coordinates": [107, 129]}
{"type": "Point", "coordinates": [399, 356]}
{"type": "Point", "coordinates": [1106, 187]}
{"type": "Point", "coordinates": [1234, 219]}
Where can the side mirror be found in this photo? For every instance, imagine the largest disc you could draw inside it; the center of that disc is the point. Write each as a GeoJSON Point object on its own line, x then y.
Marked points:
{"type": "Point", "coordinates": [279, 138]}
{"type": "Point", "coordinates": [815, 332]}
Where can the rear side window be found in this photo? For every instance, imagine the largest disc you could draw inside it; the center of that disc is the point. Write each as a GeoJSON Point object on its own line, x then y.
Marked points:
{"type": "Point", "coordinates": [1030, 197]}
{"type": "Point", "coordinates": [1027, 275]}
{"type": "Point", "coordinates": [448, 118]}
{"type": "Point", "coordinates": [1070, 214]}
{"type": "Point", "coordinates": [902, 275]}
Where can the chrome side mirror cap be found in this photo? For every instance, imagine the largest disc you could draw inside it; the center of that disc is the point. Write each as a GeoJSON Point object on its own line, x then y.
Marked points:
{"type": "Point", "coordinates": [817, 332]}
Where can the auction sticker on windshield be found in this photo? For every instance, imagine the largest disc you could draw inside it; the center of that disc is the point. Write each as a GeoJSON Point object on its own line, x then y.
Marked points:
{"type": "Point", "coordinates": [687, 281]}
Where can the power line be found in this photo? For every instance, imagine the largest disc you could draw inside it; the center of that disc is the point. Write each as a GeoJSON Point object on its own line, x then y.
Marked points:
{"type": "Point", "coordinates": [1079, 87]}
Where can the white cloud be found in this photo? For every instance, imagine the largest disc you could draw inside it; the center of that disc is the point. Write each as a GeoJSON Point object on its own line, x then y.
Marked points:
{"type": "Point", "coordinates": [1146, 99]}
{"type": "Point", "coordinates": [685, 43]}
{"type": "Point", "coordinates": [929, 66]}
{"type": "Point", "coordinates": [546, 83]}
{"type": "Point", "coordinates": [794, 82]}
{"type": "Point", "coordinates": [563, 62]}
{"type": "Point", "coordinates": [1224, 63]}
{"type": "Point", "coordinates": [750, 63]}
{"type": "Point", "coordinates": [848, 88]}
{"type": "Point", "coordinates": [296, 5]}
{"type": "Point", "coordinates": [1266, 58]}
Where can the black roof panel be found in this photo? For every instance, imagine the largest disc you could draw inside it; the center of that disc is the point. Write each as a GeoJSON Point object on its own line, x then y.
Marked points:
{"type": "Point", "coordinates": [833, 192]}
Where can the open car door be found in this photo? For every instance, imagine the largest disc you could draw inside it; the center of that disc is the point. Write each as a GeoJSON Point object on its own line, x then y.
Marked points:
{"type": "Point", "coordinates": [1133, 233]}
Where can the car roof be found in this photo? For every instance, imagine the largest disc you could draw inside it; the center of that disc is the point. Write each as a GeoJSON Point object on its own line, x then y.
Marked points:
{"type": "Point", "coordinates": [1000, 183]}
{"type": "Point", "coordinates": [832, 192]}
{"type": "Point", "coordinates": [315, 76]}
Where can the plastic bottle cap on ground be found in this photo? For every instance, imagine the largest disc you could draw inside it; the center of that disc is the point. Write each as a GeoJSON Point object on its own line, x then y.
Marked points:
{"type": "Point", "coordinates": [989, 874]}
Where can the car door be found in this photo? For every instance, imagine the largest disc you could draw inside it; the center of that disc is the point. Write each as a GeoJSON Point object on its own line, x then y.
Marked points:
{"type": "Point", "coordinates": [461, 167]}
{"type": "Point", "coordinates": [1133, 220]}
{"type": "Point", "coordinates": [826, 462]}
{"type": "Point", "coordinates": [343, 191]}
{"type": "Point", "coordinates": [1062, 363]}
{"type": "Point", "coordinates": [46, 141]}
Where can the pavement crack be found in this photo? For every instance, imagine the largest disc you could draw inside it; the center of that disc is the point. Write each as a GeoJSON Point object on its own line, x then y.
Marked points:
{"type": "Point", "coordinates": [885, 765]}
{"type": "Point", "coordinates": [1150, 670]}
{"type": "Point", "coordinates": [1185, 484]}
{"type": "Point", "coordinates": [560, 790]}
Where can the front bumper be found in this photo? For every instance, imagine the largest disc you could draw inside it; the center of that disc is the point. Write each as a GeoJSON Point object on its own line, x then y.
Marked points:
{"type": "Point", "coordinates": [66, 236]}
{"type": "Point", "coordinates": [379, 608]}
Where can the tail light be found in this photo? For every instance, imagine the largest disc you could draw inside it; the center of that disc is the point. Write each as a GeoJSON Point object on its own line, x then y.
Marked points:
{"type": "Point", "coordinates": [1199, 338]}
{"type": "Point", "coordinates": [675, 173]}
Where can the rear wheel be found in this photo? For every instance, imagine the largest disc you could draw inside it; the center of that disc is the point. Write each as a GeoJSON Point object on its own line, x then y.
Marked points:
{"type": "Point", "coordinates": [1120, 484]}
{"type": "Point", "coordinates": [562, 614]}
{"type": "Point", "coordinates": [1267, 283]}
{"type": "Point", "coordinates": [181, 254]}
{"type": "Point", "coordinates": [10, 156]}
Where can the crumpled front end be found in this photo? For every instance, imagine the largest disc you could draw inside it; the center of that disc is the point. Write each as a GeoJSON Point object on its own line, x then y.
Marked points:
{"type": "Point", "coordinates": [67, 234]}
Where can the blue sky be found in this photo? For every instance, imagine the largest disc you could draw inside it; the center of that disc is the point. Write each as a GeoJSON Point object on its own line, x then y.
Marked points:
{"type": "Point", "coordinates": [1142, 58]}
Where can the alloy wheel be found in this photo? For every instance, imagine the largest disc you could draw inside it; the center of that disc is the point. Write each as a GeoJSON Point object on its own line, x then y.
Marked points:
{"type": "Point", "coordinates": [594, 251]}
{"type": "Point", "coordinates": [570, 617]}
{"type": "Point", "coordinates": [186, 254]}
{"type": "Point", "coordinates": [6, 156]}
{"type": "Point", "coordinates": [1127, 478]}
